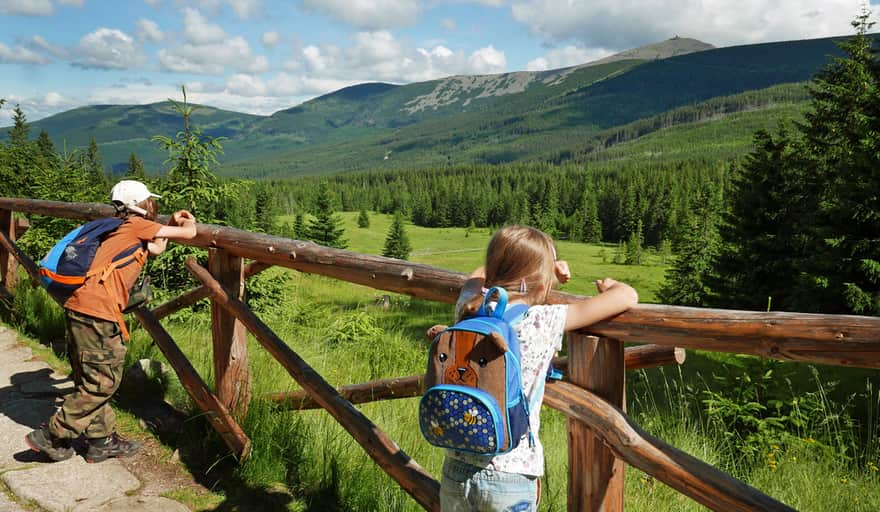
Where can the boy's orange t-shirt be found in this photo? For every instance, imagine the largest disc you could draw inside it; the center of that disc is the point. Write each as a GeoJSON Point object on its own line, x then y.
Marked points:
{"type": "Point", "coordinates": [92, 298]}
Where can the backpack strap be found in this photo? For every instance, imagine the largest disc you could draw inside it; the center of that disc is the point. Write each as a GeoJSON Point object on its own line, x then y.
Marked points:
{"type": "Point", "coordinates": [500, 307]}
{"type": "Point", "coordinates": [139, 255]}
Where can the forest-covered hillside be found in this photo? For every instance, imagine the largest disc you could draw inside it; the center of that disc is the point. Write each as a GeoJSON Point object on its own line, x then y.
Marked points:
{"type": "Point", "coordinates": [455, 120]}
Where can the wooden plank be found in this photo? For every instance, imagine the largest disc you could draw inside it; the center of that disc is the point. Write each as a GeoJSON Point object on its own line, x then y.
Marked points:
{"type": "Point", "coordinates": [635, 358]}
{"type": "Point", "coordinates": [231, 374]}
{"type": "Point", "coordinates": [595, 475]}
{"type": "Point", "coordinates": [190, 297]}
{"type": "Point", "coordinates": [844, 340]}
{"type": "Point", "coordinates": [702, 482]}
{"type": "Point", "coordinates": [187, 298]}
{"type": "Point", "coordinates": [22, 225]}
{"type": "Point", "coordinates": [8, 266]}
{"type": "Point", "coordinates": [397, 464]}
{"type": "Point", "coordinates": [216, 412]}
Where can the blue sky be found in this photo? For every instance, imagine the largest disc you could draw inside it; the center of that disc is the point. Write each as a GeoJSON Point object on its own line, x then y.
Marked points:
{"type": "Point", "coordinates": [260, 56]}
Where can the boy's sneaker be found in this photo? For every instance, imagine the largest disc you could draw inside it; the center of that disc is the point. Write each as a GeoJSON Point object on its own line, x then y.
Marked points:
{"type": "Point", "coordinates": [104, 448]}
{"type": "Point", "coordinates": [41, 440]}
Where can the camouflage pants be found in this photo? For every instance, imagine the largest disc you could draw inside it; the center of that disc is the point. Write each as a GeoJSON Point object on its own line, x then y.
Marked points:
{"type": "Point", "coordinates": [97, 357]}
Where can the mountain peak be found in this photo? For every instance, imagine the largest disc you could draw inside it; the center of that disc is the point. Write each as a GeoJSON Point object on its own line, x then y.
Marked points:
{"type": "Point", "coordinates": [671, 47]}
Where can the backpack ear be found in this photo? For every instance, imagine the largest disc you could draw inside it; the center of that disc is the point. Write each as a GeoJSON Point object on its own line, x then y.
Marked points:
{"type": "Point", "coordinates": [498, 340]}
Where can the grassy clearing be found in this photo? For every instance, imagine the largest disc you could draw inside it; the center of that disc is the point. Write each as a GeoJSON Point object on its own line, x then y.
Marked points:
{"type": "Point", "coordinates": [304, 461]}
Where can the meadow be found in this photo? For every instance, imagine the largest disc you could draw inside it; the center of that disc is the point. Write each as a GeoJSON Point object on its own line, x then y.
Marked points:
{"type": "Point", "coordinates": [804, 435]}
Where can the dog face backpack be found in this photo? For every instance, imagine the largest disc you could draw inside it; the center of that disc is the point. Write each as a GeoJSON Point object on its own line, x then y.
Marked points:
{"type": "Point", "coordinates": [473, 400]}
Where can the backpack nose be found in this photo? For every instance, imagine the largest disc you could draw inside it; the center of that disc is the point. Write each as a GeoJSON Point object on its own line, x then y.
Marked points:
{"type": "Point", "coordinates": [461, 372]}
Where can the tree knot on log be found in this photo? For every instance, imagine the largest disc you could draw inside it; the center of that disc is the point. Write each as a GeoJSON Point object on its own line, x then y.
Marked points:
{"type": "Point", "coordinates": [292, 255]}
{"type": "Point", "coordinates": [270, 249]}
{"type": "Point", "coordinates": [407, 274]}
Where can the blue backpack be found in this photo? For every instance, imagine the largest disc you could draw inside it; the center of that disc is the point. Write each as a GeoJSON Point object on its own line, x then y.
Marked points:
{"type": "Point", "coordinates": [474, 400]}
{"type": "Point", "coordinates": [68, 264]}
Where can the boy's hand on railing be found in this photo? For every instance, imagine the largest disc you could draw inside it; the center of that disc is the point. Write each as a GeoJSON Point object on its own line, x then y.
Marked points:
{"type": "Point", "coordinates": [181, 218]}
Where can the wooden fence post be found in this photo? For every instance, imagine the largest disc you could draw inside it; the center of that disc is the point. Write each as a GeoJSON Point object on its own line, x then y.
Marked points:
{"type": "Point", "coordinates": [595, 474]}
{"type": "Point", "coordinates": [8, 265]}
{"type": "Point", "coordinates": [231, 373]}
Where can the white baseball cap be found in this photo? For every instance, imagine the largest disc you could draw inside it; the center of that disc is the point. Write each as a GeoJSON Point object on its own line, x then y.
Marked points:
{"type": "Point", "coordinates": [130, 192]}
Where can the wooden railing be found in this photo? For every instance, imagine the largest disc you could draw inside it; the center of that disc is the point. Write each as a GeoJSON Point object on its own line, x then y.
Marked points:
{"type": "Point", "coordinates": [601, 437]}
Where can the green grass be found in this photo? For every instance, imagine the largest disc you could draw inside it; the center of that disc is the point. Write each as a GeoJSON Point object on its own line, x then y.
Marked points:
{"type": "Point", "coordinates": [304, 461]}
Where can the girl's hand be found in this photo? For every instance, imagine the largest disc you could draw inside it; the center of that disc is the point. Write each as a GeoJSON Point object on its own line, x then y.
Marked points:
{"type": "Point", "coordinates": [563, 273]}
{"type": "Point", "coordinates": [605, 284]}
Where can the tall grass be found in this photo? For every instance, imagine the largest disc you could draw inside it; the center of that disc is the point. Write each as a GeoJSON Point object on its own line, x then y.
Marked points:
{"type": "Point", "coordinates": [813, 445]}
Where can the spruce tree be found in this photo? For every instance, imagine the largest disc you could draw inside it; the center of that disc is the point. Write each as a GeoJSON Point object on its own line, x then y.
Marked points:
{"type": "Point", "coordinates": [325, 229]}
{"type": "Point", "coordinates": [688, 281]}
{"type": "Point", "coordinates": [841, 136]}
{"type": "Point", "coordinates": [397, 242]}
{"type": "Point", "coordinates": [363, 220]}
{"type": "Point", "coordinates": [135, 168]}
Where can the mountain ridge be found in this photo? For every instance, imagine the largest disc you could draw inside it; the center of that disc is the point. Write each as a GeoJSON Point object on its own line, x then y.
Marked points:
{"type": "Point", "coordinates": [452, 115]}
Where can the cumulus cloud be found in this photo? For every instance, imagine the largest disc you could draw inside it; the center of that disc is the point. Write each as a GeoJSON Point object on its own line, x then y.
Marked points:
{"type": "Point", "coordinates": [198, 30]}
{"type": "Point", "coordinates": [270, 39]}
{"type": "Point", "coordinates": [487, 60]}
{"type": "Point", "coordinates": [246, 8]}
{"type": "Point", "coordinates": [20, 55]}
{"type": "Point", "coordinates": [379, 56]}
{"type": "Point", "coordinates": [621, 25]}
{"type": "Point", "coordinates": [213, 58]}
{"type": "Point", "coordinates": [565, 57]}
{"type": "Point", "coordinates": [149, 31]}
{"type": "Point", "coordinates": [106, 48]}
{"type": "Point", "coordinates": [38, 106]}
{"type": "Point", "coordinates": [26, 7]}
{"type": "Point", "coordinates": [367, 14]}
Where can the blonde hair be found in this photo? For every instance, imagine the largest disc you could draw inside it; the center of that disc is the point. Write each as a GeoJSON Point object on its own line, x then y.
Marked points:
{"type": "Point", "coordinates": [522, 260]}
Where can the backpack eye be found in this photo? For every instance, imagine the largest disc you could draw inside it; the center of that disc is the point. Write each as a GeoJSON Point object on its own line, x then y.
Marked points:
{"type": "Point", "coordinates": [443, 357]}
{"type": "Point", "coordinates": [483, 362]}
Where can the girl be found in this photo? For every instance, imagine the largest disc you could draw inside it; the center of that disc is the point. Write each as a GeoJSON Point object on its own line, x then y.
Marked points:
{"type": "Point", "coordinates": [523, 261]}
{"type": "Point", "coordinates": [97, 331]}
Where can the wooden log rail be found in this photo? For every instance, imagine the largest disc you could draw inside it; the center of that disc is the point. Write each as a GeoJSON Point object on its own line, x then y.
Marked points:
{"type": "Point", "coordinates": [636, 358]}
{"type": "Point", "coordinates": [823, 339]}
{"type": "Point", "coordinates": [601, 437]}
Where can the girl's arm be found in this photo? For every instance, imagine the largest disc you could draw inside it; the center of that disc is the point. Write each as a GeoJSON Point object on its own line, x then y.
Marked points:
{"type": "Point", "coordinates": [614, 298]}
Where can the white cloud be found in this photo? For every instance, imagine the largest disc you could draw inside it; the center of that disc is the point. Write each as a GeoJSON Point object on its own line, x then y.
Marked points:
{"type": "Point", "coordinates": [148, 30]}
{"type": "Point", "coordinates": [379, 56]}
{"type": "Point", "coordinates": [153, 3]}
{"type": "Point", "coordinates": [270, 39]}
{"type": "Point", "coordinates": [26, 7]}
{"type": "Point", "coordinates": [20, 55]}
{"type": "Point", "coordinates": [38, 107]}
{"type": "Point", "coordinates": [246, 8]}
{"type": "Point", "coordinates": [622, 25]}
{"type": "Point", "coordinates": [565, 57]}
{"type": "Point", "coordinates": [72, 3]}
{"type": "Point", "coordinates": [487, 60]}
{"type": "Point", "coordinates": [246, 85]}
{"type": "Point", "coordinates": [213, 58]}
{"type": "Point", "coordinates": [367, 14]}
{"type": "Point", "coordinates": [106, 48]}
{"type": "Point", "coordinates": [198, 30]}
{"type": "Point", "coordinates": [448, 24]}
{"type": "Point", "coordinates": [39, 44]}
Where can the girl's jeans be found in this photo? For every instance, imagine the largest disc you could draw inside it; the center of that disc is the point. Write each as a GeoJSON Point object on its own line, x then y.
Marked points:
{"type": "Point", "coordinates": [467, 488]}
